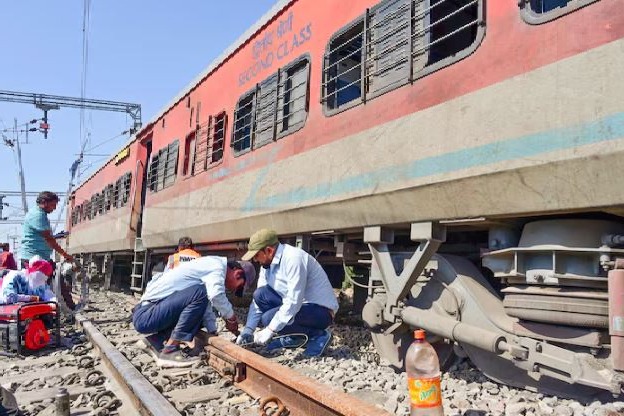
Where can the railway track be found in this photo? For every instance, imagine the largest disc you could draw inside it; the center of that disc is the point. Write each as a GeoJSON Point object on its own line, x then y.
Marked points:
{"type": "Point", "coordinates": [107, 370]}
{"type": "Point", "coordinates": [111, 372]}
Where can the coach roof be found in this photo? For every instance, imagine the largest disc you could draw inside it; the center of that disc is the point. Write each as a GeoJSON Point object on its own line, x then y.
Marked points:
{"type": "Point", "coordinates": [242, 40]}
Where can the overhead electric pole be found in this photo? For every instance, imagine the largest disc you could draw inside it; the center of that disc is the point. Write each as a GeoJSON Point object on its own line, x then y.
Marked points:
{"type": "Point", "coordinates": [48, 102]}
{"type": "Point", "coordinates": [20, 172]}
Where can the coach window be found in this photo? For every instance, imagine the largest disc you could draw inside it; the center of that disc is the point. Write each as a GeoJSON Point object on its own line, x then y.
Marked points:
{"type": "Point", "coordinates": [342, 83]}
{"type": "Point", "coordinates": [86, 211]}
{"type": "Point", "coordinates": [276, 107]}
{"type": "Point", "coordinates": [126, 182]}
{"type": "Point", "coordinates": [541, 11]}
{"type": "Point", "coordinates": [163, 167]}
{"type": "Point", "coordinates": [115, 196]}
{"type": "Point", "coordinates": [218, 138]}
{"type": "Point", "coordinates": [189, 154]}
{"type": "Point", "coordinates": [394, 43]}
{"type": "Point", "coordinates": [108, 201]}
{"type": "Point", "coordinates": [243, 123]}
{"type": "Point", "coordinates": [93, 207]}
{"type": "Point", "coordinates": [292, 100]}
{"type": "Point", "coordinates": [209, 143]}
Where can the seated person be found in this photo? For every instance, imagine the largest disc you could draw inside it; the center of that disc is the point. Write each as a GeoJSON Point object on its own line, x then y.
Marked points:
{"type": "Point", "coordinates": [28, 285]}
{"type": "Point", "coordinates": [7, 261]}
{"type": "Point", "coordinates": [176, 301]}
{"type": "Point", "coordinates": [294, 296]}
{"type": "Point", "coordinates": [185, 253]}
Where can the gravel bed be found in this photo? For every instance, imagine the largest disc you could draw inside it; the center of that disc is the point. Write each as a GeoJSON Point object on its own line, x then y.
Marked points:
{"type": "Point", "coordinates": [75, 366]}
{"type": "Point", "coordinates": [350, 363]}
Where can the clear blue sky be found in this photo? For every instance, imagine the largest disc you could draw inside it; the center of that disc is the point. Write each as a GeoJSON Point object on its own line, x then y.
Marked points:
{"type": "Point", "coordinates": [139, 51]}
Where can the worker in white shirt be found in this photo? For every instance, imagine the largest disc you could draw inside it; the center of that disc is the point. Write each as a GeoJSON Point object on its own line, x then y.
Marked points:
{"type": "Point", "coordinates": [177, 301]}
{"type": "Point", "coordinates": [294, 297]}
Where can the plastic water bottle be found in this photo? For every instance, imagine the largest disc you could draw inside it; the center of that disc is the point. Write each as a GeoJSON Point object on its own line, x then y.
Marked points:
{"type": "Point", "coordinates": [423, 377]}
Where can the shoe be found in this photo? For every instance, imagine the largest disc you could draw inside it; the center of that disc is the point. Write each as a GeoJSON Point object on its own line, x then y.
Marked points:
{"type": "Point", "coordinates": [289, 341]}
{"type": "Point", "coordinates": [156, 341]}
{"type": "Point", "coordinates": [316, 345]}
{"type": "Point", "coordinates": [175, 358]}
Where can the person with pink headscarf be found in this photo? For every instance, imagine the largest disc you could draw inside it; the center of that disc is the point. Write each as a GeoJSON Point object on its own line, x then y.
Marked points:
{"type": "Point", "coordinates": [28, 285]}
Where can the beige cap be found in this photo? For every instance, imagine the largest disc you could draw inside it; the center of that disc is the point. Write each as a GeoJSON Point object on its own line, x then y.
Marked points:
{"type": "Point", "coordinates": [259, 240]}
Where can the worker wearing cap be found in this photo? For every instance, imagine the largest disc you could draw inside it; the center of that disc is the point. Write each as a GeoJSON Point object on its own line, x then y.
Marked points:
{"type": "Point", "coordinates": [294, 296]}
{"type": "Point", "coordinates": [176, 302]}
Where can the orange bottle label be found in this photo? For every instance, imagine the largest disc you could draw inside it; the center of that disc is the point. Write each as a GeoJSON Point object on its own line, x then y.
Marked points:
{"type": "Point", "coordinates": [425, 392]}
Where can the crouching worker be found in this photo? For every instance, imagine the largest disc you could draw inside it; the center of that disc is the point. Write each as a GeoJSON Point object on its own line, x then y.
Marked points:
{"type": "Point", "coordinates": [28, 285]}
{"type": "Point", "coordinates": [175, 304]}
{"type": "Point", "coordinates": [294, 296]}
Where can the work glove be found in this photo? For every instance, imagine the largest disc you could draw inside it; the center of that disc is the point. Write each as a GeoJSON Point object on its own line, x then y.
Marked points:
{"type": "Point", "coordinates": [262, 337]}
{"type": "Point", "coordinates": [232, 324]}
{"type": "Point", "coordinates": [246, 337]}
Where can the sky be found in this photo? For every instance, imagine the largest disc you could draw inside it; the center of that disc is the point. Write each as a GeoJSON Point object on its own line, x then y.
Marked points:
{"type": "Point", "coordinates": [137, 51]}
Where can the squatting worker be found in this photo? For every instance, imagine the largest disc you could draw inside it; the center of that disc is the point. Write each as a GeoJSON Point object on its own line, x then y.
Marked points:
{"type": "Point", "coordinates": [37, 239]}
{"type": "Point", "coordinates": [185, 253]}
{"type": "Point", "coordinates": [175, 302]}
{"type": "Point", "coordinates": [294, 296]}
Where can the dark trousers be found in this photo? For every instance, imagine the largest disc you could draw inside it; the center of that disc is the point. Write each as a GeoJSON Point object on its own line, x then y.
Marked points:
{"type": "Point", "coordinates": [65, 285]}
{"type": "Point", "coordinates": [179, 313]}
{"type": "Point", "coordinates": [312, 319]}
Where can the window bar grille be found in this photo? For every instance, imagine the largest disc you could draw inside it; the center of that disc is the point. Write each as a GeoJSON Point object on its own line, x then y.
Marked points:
{"type": "Point", "coordinates": [412, 13]}
{"type": "Point", "coordinates": [254, 110]}
{"type": "Point", "coordinates": [276, 103]}
{"type": "Point", "coordinates": [201, 147]}
{"type": "Point", "coordinates": [219, 131]}
{"type": "Point", "coordinates": [428, 46]}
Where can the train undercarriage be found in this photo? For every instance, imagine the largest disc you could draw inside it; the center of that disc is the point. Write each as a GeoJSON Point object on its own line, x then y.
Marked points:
{"type": "Point", "coordinates": [534, 303]}
{"type": "Point", "coordinates": [534, 312]}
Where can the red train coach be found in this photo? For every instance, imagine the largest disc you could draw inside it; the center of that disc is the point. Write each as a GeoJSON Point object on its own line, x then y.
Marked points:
{"type": "Point", "coordinates": [104, 209]}
{"type": "Point", "coordinates": [464, 149]}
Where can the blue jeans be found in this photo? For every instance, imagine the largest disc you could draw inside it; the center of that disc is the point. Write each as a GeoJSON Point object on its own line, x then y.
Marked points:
{"type": "Point", "coordinates": [181, 313]}
{"type": "Point", "coordinates": [312, 319]}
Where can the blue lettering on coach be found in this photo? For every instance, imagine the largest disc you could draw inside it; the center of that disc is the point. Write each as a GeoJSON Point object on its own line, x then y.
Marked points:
{"type": "Point", "coordinates": [278, 43]}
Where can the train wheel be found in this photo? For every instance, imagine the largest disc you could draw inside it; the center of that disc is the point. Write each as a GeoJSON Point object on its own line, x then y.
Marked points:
{"type": "Point", "coordinates": [393, 347]}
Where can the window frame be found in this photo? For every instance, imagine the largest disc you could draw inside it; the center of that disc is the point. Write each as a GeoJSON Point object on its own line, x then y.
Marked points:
{"type": "Point", "coordinates": [341, 32]}
{"type": "Point", "coordinates": [255, 91]}
{"type": "Point", "coordinates": [208, 131]}
{"type": "Point", "coordinates": [533, 18]}
{"type": "Point", "coordinates": [213, 129]}
{"type": "Point", "coordinates": [412, 76]}
{"type": "Point", "coordinates": [164, 157]}
{"type": "Point", "coordinates": [305, 57]}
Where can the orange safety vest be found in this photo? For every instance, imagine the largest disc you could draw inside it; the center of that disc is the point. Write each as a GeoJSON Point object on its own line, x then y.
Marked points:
{"type": "Point", "coordinates": [181, 256]}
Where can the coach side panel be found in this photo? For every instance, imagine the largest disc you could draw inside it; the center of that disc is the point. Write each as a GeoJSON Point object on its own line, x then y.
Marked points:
{"type": "Point", "coordinates": [532, 121]}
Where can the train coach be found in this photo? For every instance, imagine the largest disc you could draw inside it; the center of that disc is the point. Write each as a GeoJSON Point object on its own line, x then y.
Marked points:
{"type": "Point", "coordinates": [461, 154]}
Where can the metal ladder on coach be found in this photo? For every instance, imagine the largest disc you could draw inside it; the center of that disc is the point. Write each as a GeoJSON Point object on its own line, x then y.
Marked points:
{"type": "Point", "coordinates": [136, 277]}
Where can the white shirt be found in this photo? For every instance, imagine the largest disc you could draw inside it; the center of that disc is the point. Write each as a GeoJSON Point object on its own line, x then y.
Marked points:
{"type": "Point", "coordinates": [209, 270]}
{"type": "Point", "coordinates": [299, 279]}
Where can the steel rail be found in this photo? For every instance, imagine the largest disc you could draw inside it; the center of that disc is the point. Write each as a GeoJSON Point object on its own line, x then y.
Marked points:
{"type": "Point", "coordinates": [261, 378]}
{"type": "Point", "coordinates": [146, 398]}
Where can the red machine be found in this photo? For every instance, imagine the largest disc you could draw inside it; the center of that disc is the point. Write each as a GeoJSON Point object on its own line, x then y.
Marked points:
{"type": "Point", "coordinates": [28, 325]}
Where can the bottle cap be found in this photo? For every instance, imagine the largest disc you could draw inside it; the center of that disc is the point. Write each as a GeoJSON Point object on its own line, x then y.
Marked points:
{"type": "Point", "coordinates": [419, 334]}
